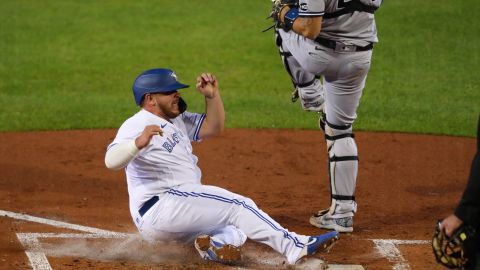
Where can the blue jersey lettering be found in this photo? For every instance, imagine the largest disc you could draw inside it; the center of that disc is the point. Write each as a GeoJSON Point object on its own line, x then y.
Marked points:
{"type": "Point", "coordinates": [171, 142]}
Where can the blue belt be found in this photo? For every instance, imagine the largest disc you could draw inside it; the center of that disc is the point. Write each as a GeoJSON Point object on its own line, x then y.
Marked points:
{"type": "Point", "coordinates": [147, 205]}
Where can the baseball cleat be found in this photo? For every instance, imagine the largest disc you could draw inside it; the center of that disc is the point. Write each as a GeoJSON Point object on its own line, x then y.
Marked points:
{"type": "Point", "coordinates": [319, 243]}
{"type": "Point", "coordinates": [323, 220]}
{"type": "Point", "coordinates": [209, 249]}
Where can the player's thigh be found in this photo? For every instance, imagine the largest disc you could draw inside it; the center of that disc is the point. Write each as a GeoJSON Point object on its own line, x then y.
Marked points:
{"type": "Point", "coordinates": [186, 211]}
{"type": "Point", "coordinates": [352, 68]}
{"type": "Point", "coordinates": [201, 208]}
{"type": "Point", "coordinates": [343, 89]}
{"type": "Point", "coordinates": [312, 57]}
{"type": "Point", "coordinates": [298, 74]}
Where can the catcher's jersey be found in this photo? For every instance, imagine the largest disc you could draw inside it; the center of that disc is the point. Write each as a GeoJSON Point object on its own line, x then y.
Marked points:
{"type": "Point", "coordinates": [357, 28]}
{"type": "Point", "coordinates": [167, 161]}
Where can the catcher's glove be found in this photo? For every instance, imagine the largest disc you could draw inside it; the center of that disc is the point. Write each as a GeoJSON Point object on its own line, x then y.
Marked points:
{"type": "Point", "coordinates": [277, 6]}
{"type": "Point", "coordinates": [453, 252]}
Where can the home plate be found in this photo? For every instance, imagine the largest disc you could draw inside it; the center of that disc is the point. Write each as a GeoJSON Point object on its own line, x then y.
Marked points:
{"type": "Point", "coordinates": [318, 264]}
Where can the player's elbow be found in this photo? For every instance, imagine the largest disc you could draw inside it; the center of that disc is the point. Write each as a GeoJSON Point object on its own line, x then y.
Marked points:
{"type": "Point", "coordinates": [310, 33]}
{"type": "Point", "coordinates": [214, 125]}
{"type": "Point", "coordinates": [119, 155]}
{"type": "Point", "coordinates": [112, 164]}
{"type": "Point", "coordinates": [211, 129]}
{"type": "Point", "coordinates": [310, 28]}
{"type": "Point", "coordinates": [220, 131]}
{"type": "Point", "coordinates": [217, 129]}
{"type": "Point", "coordinates": [220, 127]}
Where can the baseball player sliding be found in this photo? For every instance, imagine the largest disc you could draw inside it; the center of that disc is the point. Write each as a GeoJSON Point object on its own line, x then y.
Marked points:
{"type": "Point", "coordinates": [332, 39]}
{"type": "Point", "coordinates": [167, 198]}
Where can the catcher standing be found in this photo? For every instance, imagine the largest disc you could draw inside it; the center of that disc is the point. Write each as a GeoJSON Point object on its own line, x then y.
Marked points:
{"type": "Point", "coordinates": [332, 39]}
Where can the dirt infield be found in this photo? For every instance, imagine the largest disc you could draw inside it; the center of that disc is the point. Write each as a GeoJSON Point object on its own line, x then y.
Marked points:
{"type": "Point", "coordinates": [405, 183]}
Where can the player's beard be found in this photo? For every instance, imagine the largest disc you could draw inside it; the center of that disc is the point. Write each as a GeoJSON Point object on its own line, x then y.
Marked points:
{"type": "Point", "coordinates": [171, 110]}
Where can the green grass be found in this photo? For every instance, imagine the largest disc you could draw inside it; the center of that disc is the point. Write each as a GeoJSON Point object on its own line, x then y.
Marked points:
{"type": "Point", "coordinates": [70, 64]}
{"type": "Point", "coordinates": [424, 77]}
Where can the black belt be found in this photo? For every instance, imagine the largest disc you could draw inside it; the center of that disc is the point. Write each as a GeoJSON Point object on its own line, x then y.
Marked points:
{"type": "Point", "coordinates": [338, 46]}
{"type": "Point", "coordinates": [147, 205]}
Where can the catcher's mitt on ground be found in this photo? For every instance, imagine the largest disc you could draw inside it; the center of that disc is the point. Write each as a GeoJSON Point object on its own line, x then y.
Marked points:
{"type": "Point", "coordinates": [453, 252]}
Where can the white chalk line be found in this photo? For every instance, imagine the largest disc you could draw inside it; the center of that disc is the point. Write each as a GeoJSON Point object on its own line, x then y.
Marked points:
{"type": "Point", "coordinates": [73, 235]}
{"type": "Point", "coordinates": [36, 256]}
{"type": "Point", "coordinates": [59, 224]}
{"type": "Point", "coordinates": [38, 259]}
{"type": "Point", "coordinates": [388, 248]}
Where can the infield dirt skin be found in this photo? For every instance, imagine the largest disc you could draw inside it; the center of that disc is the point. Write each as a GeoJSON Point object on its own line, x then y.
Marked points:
{"type": "Point", "coordinates": [406, 182]}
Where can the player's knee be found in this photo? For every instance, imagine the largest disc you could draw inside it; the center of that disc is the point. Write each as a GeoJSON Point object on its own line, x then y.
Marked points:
{"type": "Point", "coordinates": [335, 132]}
{"type": "Point", "coordinates": [345, 147]}
{"type": "Point", "coordinates": [248, 202]}
{"type": "Point", "coordinates": [340, 141]}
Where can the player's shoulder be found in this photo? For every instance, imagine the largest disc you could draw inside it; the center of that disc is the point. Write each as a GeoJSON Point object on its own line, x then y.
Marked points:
{"type": "Point", "coordinates": [134, 122]}
{"type": "Point", "coordinates": [132, 119]}
{"type": "Point", "coordinates": [190, 117]}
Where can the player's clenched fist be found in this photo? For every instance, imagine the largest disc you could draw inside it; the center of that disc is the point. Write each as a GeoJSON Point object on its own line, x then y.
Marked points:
{"type": "Point", "coordinates": [147, 134]}
{"type": "Point", "coordinates": [207, 84]}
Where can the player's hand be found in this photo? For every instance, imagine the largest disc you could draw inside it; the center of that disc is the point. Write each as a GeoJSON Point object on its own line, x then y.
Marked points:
{"type": "Point", "coordinates": [147, 134]}
{"type": "Point", "coordinates": [451, 224]}
{"type": "Point", "coordinates": [207, 84]}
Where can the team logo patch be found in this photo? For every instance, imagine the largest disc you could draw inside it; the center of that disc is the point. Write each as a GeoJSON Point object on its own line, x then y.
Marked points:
{"type": "Point", "coordinates": [173, 75]}
{"type": "Point", "coordinates": [303, 7]}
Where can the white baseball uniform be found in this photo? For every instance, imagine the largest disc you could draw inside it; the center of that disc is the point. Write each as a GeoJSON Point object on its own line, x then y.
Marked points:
{"type": "Point", "coordinates": [185, 208]}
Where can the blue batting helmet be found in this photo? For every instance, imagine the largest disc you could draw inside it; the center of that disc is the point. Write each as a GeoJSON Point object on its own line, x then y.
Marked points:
{"type": "Point", "coordinates": [158, 80]}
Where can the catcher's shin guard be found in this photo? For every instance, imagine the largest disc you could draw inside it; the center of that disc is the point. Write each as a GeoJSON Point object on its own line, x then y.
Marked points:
{"type": "Point", "coordinates": [342, 169]}
{"type": "Point", "coordinates": [306, 85]}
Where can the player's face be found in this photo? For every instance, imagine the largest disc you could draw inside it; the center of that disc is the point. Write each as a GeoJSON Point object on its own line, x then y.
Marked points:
{"type": "Point", "coordinates": [167, 103]}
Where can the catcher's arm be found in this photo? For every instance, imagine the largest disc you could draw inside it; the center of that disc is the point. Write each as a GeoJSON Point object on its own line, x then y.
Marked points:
{"type": "Point", "coordinates": [308, 27]}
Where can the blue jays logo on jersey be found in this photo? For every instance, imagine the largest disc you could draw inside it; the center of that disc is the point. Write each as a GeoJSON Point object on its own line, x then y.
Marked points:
{"type": "Point", "coordinates": [170, 142]}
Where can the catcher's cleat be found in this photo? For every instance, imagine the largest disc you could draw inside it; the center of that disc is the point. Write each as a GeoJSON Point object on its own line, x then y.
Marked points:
{"type": "Point", "coordinates": [324, 220]}
{"type": "Point", "coordinates": [209, 249]}
{"type": "Point", "coordinates": [319, 243]}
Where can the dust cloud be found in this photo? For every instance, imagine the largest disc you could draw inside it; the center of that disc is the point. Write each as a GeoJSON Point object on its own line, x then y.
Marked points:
{"type": "Point", "coordinates": [133, 249]}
